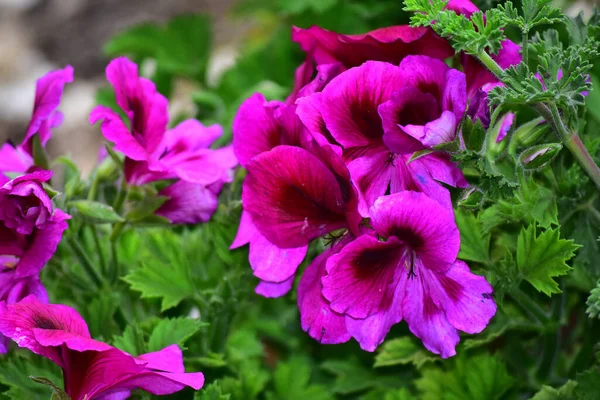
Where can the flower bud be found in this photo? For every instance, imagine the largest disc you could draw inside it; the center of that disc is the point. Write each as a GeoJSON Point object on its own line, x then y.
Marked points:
{"type": "Point", "coordinates": [537, 157]}
{"type": "Point", "coordinates": [529, 133]}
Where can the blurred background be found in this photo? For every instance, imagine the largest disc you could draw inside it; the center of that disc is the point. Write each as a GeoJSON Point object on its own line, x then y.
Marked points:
{"type": "Point", "coordinates": [39, 35]}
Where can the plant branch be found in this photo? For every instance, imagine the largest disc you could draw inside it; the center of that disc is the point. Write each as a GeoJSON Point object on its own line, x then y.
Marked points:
{"type": "Point", "coordinates": [86, 263]}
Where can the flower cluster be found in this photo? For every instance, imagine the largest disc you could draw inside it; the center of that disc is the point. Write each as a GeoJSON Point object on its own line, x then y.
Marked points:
{"type": "Point", "coordinates": [153, 152]}
{"type": "Point", "coordinates": [31, 228]}
{"type": "Point", "coordinates": [352, 156]}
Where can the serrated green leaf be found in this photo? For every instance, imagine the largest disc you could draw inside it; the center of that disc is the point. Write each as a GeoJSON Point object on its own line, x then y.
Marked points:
{"type": "Point", "coordinates": [479, 377]}
{"type": "Point", "coordinates": [172, 283]}
{"type": "Point", "coordinates": [173, 331]}
{"type": "Point", "coordinates": [212, 392]}
{"type": "Point", "coordinates": [131, 341]}
{"type": "Point", "coordinates": [15, 371]}
{"type": "Point", "coordinates": [401, 351]}
{"type": "Point", "coordinates": [474, 244]}
{"type": "Point", "coordinates": [95, 212]}
{"type": "Point", "coordinates": [350, 376]}
{"type": "Point", "coordinates": [542, 258]}
{"type": "Point", "coordinates": [291, 382]}
{"type": "Point", "coordinates": [565, 392]}
{"type": "Point", "coordinates": [587, 385]}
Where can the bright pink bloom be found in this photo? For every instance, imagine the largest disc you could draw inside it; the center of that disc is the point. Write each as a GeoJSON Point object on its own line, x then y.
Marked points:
{"type": "Point", "coordinates": [413, 275]}
{"type": "Point", "coordinates": [389, 44]}
{"type": "Point", "coordinates": [49, 90]}
{"type": "Point", "coordinates": [154, 152]}
{"type": "Point", "coordinates": [380, 114]}
{"type": "Point", "coordinates": [92, 369]}
{"type": "Point", "coordinates": [30, 230]}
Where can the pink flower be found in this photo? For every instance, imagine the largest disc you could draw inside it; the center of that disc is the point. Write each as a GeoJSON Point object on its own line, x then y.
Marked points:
{"type": "Point", "coordinates": [380, 114]}
{"type": "Point", "coordinates": [49, 90]}
{"type": "Point", "coordinates": [30, 230]}
{"type": "Point", "coordinates": [370, 285]}
{"type": "Point", "coordinates": [92, 369]}
{"type": "Point", "coordinates": [389, 44]}
{"type": "Point", "coordinates": [154, 152]}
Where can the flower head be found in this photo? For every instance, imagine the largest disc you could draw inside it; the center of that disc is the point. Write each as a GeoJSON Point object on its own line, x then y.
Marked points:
{"type": "Point", "coordinates": [30, 230]}
{"type": "Point", "coordinates": [92, 369]}
{"type": "Point", "coordinates": [412, 275]}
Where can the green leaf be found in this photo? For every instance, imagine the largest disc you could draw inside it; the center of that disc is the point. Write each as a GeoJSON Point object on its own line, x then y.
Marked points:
{"type": "Point", "coordinates": [132, 341]}
{"type": "Point", "coordinates": [565, 392]}
{"type": "Point", "coordinates": [350, 376]}
{"type": "Point", "coordinates": [243, 345]}
{"type": "Point", "coordinates": [541, 258]}
{"type": "Point", "coordinates": [173, 331]}
{"type": "Point", "coordinates": [587, 385]}
{"type": "Point", "coordinates": [403, 350]}
{"type": "Point", "coordinates": [15, 371]}
{"type": "Point", "coordinates": [474, 244]}
{"type": "Point", "coordinates": [95, 212]}
{"type": "Point", "coordinates": [593, 302]}
{"type": "Point", "coordinates": [291, 382]}
{"type": "Point", "coordinates": [212, 392]}
{"type": "Point", "coordinates": [172, 283]}
{"type": "Point", "coordinates": [100, 314]}
{"type": "Point", "coordinates": [480, 377]}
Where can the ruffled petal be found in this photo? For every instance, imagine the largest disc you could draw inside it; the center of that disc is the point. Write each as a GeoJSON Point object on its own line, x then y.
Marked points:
{"type": "Point", "coordinates": [188, 203]}
{"type": "Point", "coordinates": [274, 289]}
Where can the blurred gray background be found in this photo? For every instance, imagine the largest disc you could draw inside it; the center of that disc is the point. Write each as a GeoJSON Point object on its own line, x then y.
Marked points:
{"type": "Point", "coordinates": [39, 35]}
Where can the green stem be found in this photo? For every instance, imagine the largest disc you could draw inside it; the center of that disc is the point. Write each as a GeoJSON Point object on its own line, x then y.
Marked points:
{"type": "Point", "coordinates": [86, 263]}
{"type": "Point", "coordinates": [584, 158]}
{"type": "Point", "coordinates": [552, 341]}
{"type": "Point", "coordinates": [99, 248]}
{"type": "Point", "coordinates": [529, 306]}
{"type": "Point", "coordinates": [525, 46]}
{"type": "Point", "coordinates": [115, 272]}
{"type": "Point", "coordinates": [490, 64]}
{"type": "Point", "coordinates": [121, 196]}
{"type": "Point", "coordinates": [93, 188]}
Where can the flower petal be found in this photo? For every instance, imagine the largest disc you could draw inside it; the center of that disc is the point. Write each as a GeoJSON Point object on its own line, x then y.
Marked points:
{"type": "Point", "coordinates": [361, 280]}
{"type": "Point", "coordinates": [188, 203]}
{"type": "Point", "coordinates": [274, 289]}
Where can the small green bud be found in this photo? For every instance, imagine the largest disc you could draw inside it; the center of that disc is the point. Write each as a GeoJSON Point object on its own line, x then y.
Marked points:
{"type": "Point", "coordinates": [471, 198]}
{"type": "Point", "coordinates": [529, 133]}
{"type": "Point", "coordinates": [108, 171]}
{"type": "Point", "coordinates": [537, 157]}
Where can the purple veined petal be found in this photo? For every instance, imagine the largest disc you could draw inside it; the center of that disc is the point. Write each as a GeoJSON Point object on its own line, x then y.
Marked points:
{"type": "Point", "coordinates": [309, 112]}
{"type": "Point", "coordinates": [115, 131]}
{"type": "Point", "coordinates": [13, 159]}
{"type": "Point", "coordinates": [371, 331]}
{"type": "Point", "coordinates": [350, 102]}
{"type": "Point", "coordinates": [455, 93]}
{"type": "Point", "coordinates": [361, 280]}
{"type": "Point", "coordinates": [371, 174]}
{"type": "Point", "coordinates": [441, 168]}
{"type": "Point", "coordinates": [255, 129]}
{"type": "Point", "coordinates": [421, 223]}
{"type": "Point", "coordinates": [439, 131]}
{"type": "Point", "coordinates": [463, 7]}
{"type": "Point", "coordinates": [43, 246]}
{"type": "Point", "coordinates": [325, 73]}
{"type": "Point", "coordinates": [146, 109]}
{"type": "Point", "coordinates": [49, 90]}
{"type": "Point", "coordinates": [465, 298]}
{"type": "Point", "coordinates": [188, 203]}
{"type": "Point", "coordinates": [26, 206]}
{"type": "Point", "coordinates": [316, 316]}
{"type": "Point", "coordinates": [274, 289]}
{"type": "Point", "coordinates": [202, 166]}
{"type": "Point", "coordinates": [188, 136]}
{"type": "Point", "coordinates": [390, 44]}
{"type": "Point", "coordinates": [293, 197]}
{"type": "Point", "coordinates": [21, 288]}
{"type": "Point", "coordinates": [24, 321]}
{"type": "Point", "coordinates": [302, 78]}
{"type": "Point", "coordinates": [269, 262]}
{"type": "Point", "coordinates": [504, 126]}
{"type": "Point", "coordinates": [407, 107]}
{"type": "Point", "coordinates": [426, 74]}
{"type": "Point", "coordinates": [426, 320]}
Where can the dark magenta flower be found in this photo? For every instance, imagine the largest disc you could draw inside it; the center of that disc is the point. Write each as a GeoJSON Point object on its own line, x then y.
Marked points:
{"type": "Point", "coordinates": [389, 44]}
{"type": "Point", "coordinates": [154, 152]}
{"type": "Point", "coordinates": [380, 114]}
{"type": "Point", "coordinates": [30, 230]}
{"type": "Point", "coordinates": [412, 275]}
{"type": "Point", "coordinates": [92, 370]}
{"type": "Point", "coordinates": [44, 117]}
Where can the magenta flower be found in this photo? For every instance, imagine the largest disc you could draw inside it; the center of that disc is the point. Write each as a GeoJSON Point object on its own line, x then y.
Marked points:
{"type": "Point", "coordinates": [380, 114]}
{"type": "Point", "coordinates": [389, 44]}
{"type": "Point", "coordinates": [413, 275]}
{"type": "Point", "coordinates": [92, 369]}
{"type": "Point", "coordinates": [30, 230]}
{"type": "Point", "coordinates": [49, 90]}
{"type": "Point", "coordinates": [154, 152]}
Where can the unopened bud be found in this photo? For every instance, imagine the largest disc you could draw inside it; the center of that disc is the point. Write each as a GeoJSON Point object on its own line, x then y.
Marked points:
{"type": "Point", "coordinates": [529, 133]}
{"type": "Point", "coordinates": [537, 157]}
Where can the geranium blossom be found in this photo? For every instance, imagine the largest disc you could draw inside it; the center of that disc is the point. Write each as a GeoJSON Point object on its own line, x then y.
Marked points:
{"type": "Point", "coordinates": [92, 369]}
{"type": "Point", "coordinates": [30, 230]}
{"type": "Point", "coordinates": [44, 117]}
{"type": "Point", "coordinates": [412, 275]}
{"type": "Point", "coordinates": [154, 152]}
